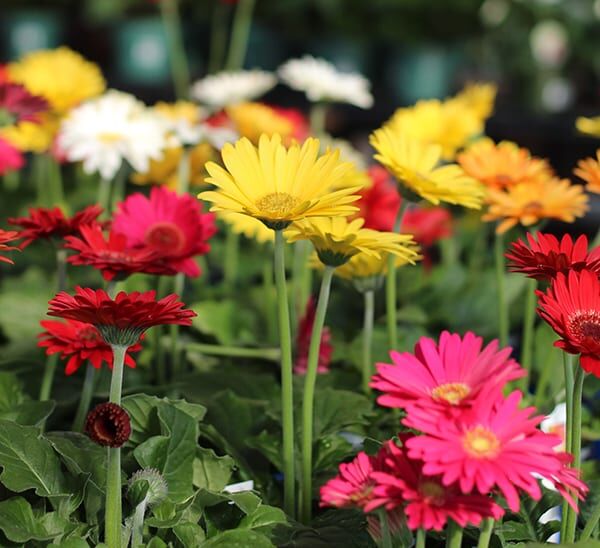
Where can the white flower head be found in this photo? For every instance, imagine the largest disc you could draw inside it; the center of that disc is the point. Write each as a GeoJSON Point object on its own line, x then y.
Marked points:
{"type": "Point", "coordinates": [556, 423]}
{"type": "Point", "coordinates": [104, 132]}
{"type": "Point", "coordinates": [228, 88]}
{"type": "Point", "coordinates": [322, 81]}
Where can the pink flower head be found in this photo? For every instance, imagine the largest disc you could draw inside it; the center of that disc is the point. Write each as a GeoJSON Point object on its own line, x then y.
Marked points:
{"type": "Point", "coordinates": [11, 158]}
{"type": "Point", "coordinates": [303, 342]}
{"type": "Point", "coordinates": [445, 376]}
{"type": "Point", "coordinates": [427, 502]}
{"type": "Point", "coordinates": [171, 225]}
{"type": "Point", "coordinates": [493, 444]}
{"type": "Point", "coordinates": [18, 105]}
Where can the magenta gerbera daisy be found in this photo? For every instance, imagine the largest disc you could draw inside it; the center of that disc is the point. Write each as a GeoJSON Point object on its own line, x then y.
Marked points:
{"type": "Point", "coordinates": [11, 158]}
{"type": "Point", "coordinates": [18, 105]}
{"type": "Point", "coordinates": [445, 375]}
{"type": "Point", "coordinates": [173, 226]}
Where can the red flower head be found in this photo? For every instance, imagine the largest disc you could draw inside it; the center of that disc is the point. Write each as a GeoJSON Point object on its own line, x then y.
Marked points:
{"type": "Point", "coordinates": [11, 158]}
{"type": "Point", "coordinates": [121, 321]}
{"type": "Point", "coordinates": [544, 258]}
{"type": "Point", "coordinates": [47, 223]}
{"type": "Point", "coordinates": [298, 120]}
{"type": "Point", "coordinates": [379, 203]}
{"type": "Point", "coordinates": [171, 225]}
{"type": "Point", "coordinates": [108, 424]}
{"type": "Point", "coordinates": [446, 376]}
{"type": "Point", "coordinates": [427, 502]}
{"type": "Point", "coordinates": [303, 342]}
{"type": "Point", "coordinates": [5, 237]}
{"type": "Point", "coordinates": [490, 446]}
{"type": "Point", "coordinates": [571, 306]}
{"type": "Point", "coordinates": [18, 105]}
{"type": "Point", "coordinates": [427, 224]}
{"type": "Point", "coordinates": [79, 342]}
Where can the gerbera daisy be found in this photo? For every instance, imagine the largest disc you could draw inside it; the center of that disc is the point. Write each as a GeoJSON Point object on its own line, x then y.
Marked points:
{"type": "Point", "coordinates": [588, 169]}
{"type": "Point", "coordinates": [32, 136]}
{"type": "Point", "coordinates": [171, 225]}
{"type": "Point", "coordinates": [182, 120]}
{"type": "Point", "coordinates": [489, 447]}
{"type": "Point", "coordinates": [479, 97]}
{"type": "Point", "coordinates": [413, 163]}
{"type": "Point", "coordinates": [428, 503]}
{"type": "Point", "coordinates": [18, 105]}
{"type": "Point", "coordinates": [589, 126]}
{"type": "Point", "coordinates": [45, 223]}
{"type": "Point", "coordinates": [545, 256]}
{"type": "Point", "coordinates": [121, 321]}
{"type": "Point", "coordinates": [78, 342]}
{"type": "Point", "coordinates": [6, 237]}
{"type": "Point", "coordinates": [279, 185]}
{"type": "Point", "coordinates": [571, 306]}
{"type": "Point", "coordinates": [531, 203]}
{"type": "Point", "coordinates": [379, 202]}
{"type": "Point", "coordinates": [229, 88]}
{"type": "Point", "coordinates": [305, 328]}
{"type": "Point", "coordinates": [445, 375]}
{"type": "Point", "coordinates": [337, 239]}
{"type": "Point", "coordinates": [11, 158]}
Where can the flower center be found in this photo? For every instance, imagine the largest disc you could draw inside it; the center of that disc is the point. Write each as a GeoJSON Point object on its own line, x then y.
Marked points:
{"type": "Point", "coordinates": [89, 333]}
{"type": "Point", "coordinates": [584, 326]}
{"type": "Point", "coordinates": [433, 493]}
{"type": "Point", "coordinates": [109, 138]}
{"type": "Point", "coordinates": [277, 205]}
{"type": "Point", "coordinates": [503, 180]}
{"type": "Point", "coordinates": [533, 208]}
{"type": "Point", "coordinates": [362, 494]}
{"type": "Point", "coordinates": [481, 443]}
{"type": "Point", "coordinates": [451, 392]}
{"type": "Point", "coordinates": [165, 237]}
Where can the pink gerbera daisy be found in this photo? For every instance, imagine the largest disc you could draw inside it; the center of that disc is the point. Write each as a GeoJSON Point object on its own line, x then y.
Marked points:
{"type": "Point", "coordinates": [172, 225]}
{"type": "Point", "coordinates": [494, 444]}
{"type": "Point", "coordinates": [18, 105]}
{"type": "Point", "coordinates": [11, 158]}
{"type": "Point", "coordinates": [447, 375]}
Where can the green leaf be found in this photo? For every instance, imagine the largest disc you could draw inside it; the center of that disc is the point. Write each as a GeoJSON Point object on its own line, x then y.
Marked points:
{"type": "Point", "coordinates": [29, 413]}
{"type": "Point", "coordinates": [238, 539]}
{"type": "Point", "coordinates": [29, 462]}
{"type": "Point", "coordinates": [72, 543]}
{"type": "Point", "coordinates": [189, 534]}
{"type": "Point", "coordinates": [19, 523]}
{"type": "Point", "coordinates": [337, 410]}
{"type": "Point", "coordinates": [263, 519]}
{"type": "Point", "coordinates": [210, 471]}
{"type": "Point", "coordinates": [225, 320]}
{"type": "Point", "coordinates": [11, 392]}
{"type": "Point", "coordinates": [156, 542]}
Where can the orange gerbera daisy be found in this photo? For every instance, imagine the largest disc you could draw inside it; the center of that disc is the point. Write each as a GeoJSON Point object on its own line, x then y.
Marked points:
{"type": "Point", "coordinates": [501, 165]}
{"type": "Point", "coordinates": [529, 203]}
{"type": "Point", "coordinates": [588, 169]}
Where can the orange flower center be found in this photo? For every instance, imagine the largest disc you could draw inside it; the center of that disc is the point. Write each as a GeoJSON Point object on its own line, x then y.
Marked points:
{"type": "Point", "coordinates": [584, 326]}
{"type": "Point", "coordinates": [165, 237]}
{"type": "Point", "coordinates": [277, 205]}
{"type": "Point", "coordinates": [433, 493]}
{"type": "Point", "coordinates": [452, 392]}
{"type": "Point", "coordinates": [503, 180]}
{"type": "Point", "coordinates": [479, 442]}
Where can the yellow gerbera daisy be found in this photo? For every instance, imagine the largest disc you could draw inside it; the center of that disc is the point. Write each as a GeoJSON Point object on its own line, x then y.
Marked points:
{"type": "Point", "coordinates": [32, 137]}
{"type": "Point", "coordinates": [61, 75]}
{"type": "Point", "coordinates": [279, 185]}
{"type": "Point", "coordinates": [479, 97]}
{"type": "Point", "coordinates": [588, 169]}
{"type": "Point", "coordinates": [180, 110]}
{"type": "Point", "coordinates": [589, 126]}
{"type": "Point", "coordinates": [251, 120]}
{"type": "Point", "coordinates": [364, 265]}
{"type": "Point", "coordinates": [336, 240]}
{"type": "Point", "coordinates": [248, 226]}
{"type": "Point", "coordinates": [413, 163]}
{"type": "Point", "coordinates": [529, 203]}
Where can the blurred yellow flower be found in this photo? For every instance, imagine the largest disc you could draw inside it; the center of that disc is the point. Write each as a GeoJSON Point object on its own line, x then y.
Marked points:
{"type": "Point", "coordinates": [32, 137]}
{"type": "Point", "coordinates": [180, 110]}
{"type": "Point", "coordinates": [251, 120]}
{"type": "Point", "coordinates": [479, 97]}
{"type": "Point", "coordinates": [248, 226]}
{"type": "Point", "coordinates": [589, 126]}
{"type": "Point", "coordinates": [364, 265]}
{"type": "Point", "coordinates": [588, 169]}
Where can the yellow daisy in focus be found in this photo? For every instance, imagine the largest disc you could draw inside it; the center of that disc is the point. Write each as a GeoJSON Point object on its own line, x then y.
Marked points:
{"type": "Point", "coordinates": [30, 137]}
{"type": "Point", "coordinates": [61, 75]}
{"type": "Point", "coordinates": [413, 163]}
{"type": "Point", "coordinates": [588, 126]}
{"type": "Point", "coordinates": [530, 203]}
{"type": "Point", "coordinates": [279, 185]}
{"type": "Point", "coordinates": [502, 165]}
{"type": "Point", "coordinates": [248, 226]}
{"type": "Point", "coordinates": [479, 97]}
{"type": "Point", "coordinates": [588, 169]}
{"type": "Point", "coordinates": [336, 240]}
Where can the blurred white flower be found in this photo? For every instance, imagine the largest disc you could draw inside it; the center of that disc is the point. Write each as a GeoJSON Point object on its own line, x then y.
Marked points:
{"type": "Point", "coordinates": [549, 43]}
{"type": "Point", "coordinates": [217, 136]}
{"type": "Point", "coordinates": [556, 423]}
{"type": "Point", "coordinates": [321, 81]}
{"type": "Point", "coordinates": [105, 131]}
{"type": "Point", "coordinates": [228, 88]}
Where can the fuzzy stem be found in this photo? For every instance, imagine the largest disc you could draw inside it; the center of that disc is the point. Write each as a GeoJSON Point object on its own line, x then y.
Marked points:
{"type": "Point", "coordinates": [240, 32]}
{"type": "Point", "coordinates": [137, 528]}
{"type": "Point", "coordinates": [386, 536]}
{"type": "Point", "coordinates": [503, 328]}
{"type": "Point", "coordinates": [287, 387]}
{"type": "Point", "coordinates": [487, 528]}
{"type": "Point", "coordinates": [87, 392]}
{"type": "Point", "coordinates": [310, 382]}
{"type": "Point", "coordinates": [169, 10]}
{"type": "Point", "coordinates": [367, 339]}
{"type": "Point", "coordinates": [528, 331]}
{"type": "Point", "coordinates": [234, 352]}
{"type": "Point", "coordinates": [421, 538]}
{"type": "Point", "coordinates": [454, 534]}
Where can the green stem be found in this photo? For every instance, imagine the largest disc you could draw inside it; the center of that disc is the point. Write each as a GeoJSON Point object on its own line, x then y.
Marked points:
{"type": "Point", "coordinates": [271, 354]}
{"type": "Point", "coordinates": [421, 538]}
{"type": "Point", "coordinates": [569, 385]}
{"type": "Point", "coordinates": [218, 38]}
{"type": "Point", "coordinates": [287, 390]}
{"type": "Point", "coordinates": [55, 182]}
{"type": "Point", "coordinates": [240, 32]}
{"type": "Point", "coordinates": [39, 173]}
{"type": "Point", "coordinates": [503, 328]}
{"type": "Point", "coordinates": [454, 534]}
{"type": "Point", "coordinates": [390, 286]}
{"type": "Point", "coordinates": [116, 379]}
{"type": "Point", "coordinates": [103, 198]}
{"type": "Point", "coordinates": [528, 331]}
{"type": "Point", "coordinates": [591, 523]}
{"type": "Point", "coordinates": [87, 392]}
{"type": "Point", "coordinates": [183, 171]}
{"type": "Point", "coordinates": [231, 260]}
{"type": "Point", "coordinates": [301, 279]}
{"type": "Point", "coordinates": [367, 339]}
{"type": "Point", "coordinates": [269, 305]}
{"type": "Point", "coordinates": [137, 528]}
{"type": "Point", "coordinates": [118, 186]}
{"type": "Point", "coordinates": [159, 351]}
{"type": "Point", "coordinates": [386, 536]}
{"type": "Point", "coordinates": [318, 118]}
{"type": "Point", "coordinates": [169, 10]}
{"type": "Point", "coordinates": [176, 354]}
{"type": "Point", "coordinates": [310, 382]}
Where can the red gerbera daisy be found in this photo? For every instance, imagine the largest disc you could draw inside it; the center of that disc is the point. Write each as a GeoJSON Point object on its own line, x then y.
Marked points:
{"type": "Point", "coordinates": [571, 306]}
{"type": "Point", "coordinates": [451, 374]}
{"type": "Point", "coordinates": [51, 222]}
{"type": "Point", "coordinates": [303, 342]}
{"type": "Point", "coordinates": [11, 158]}
{"type": "Point", "coordinates": [171, 225]}
{"type": "Point", "coordinates": [489, 446]}
{"type": "Point", "coordinates": [79, 342]}
{"type": "Point", "coordinates": [427, 224]}
{"type": "Point", "coordinates": [18, 105]}
{"type": "Point", "coordinates": [121, 321]}
{"type": "Point", "coordinates": [5, 237]}
{"type": "Point", "coordinates": [427, 502]}
{"type": "Point", "coordinates": [544, 258]}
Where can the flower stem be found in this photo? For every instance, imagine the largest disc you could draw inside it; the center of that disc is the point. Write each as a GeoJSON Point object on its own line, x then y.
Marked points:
{"type": "Point", "coordinates": [55, 182]}
{"type": "Point", "coordinates": [176, 353]}
{"type": "Point", "coordinates": [386, 536]}
{"type": "Point", "coordinates": [454, 534]}
{"type": "Point", "coordinates": [287, 390]}
{"type": "Point", "coordinates": [169, 10]}
{"type": "Point", "coordinates": [234, 352]}
{"type": "Point", "coordinates": [87, 392]}
{"type": "Point", "coordinates": [421, 538]}
{"type": "Point", "coordinates": [240, 32]}
{"type": "Point", "coordinates": [487, 528]}
{"type": "Point", "coordinates": [268, 293]}
{"type": "Point", "coordinates": [367, 339]}
{"type": "Point", "coordinates": [503, 328]}
{"type": "Point", "coordinates": [390, 286]}
{"type": "Point", "coordinates": [103, 198]}
{"type": "Point", "coordinates": [309, 394]}
{"type": "Point", "coordinates": [183, 171]}
{"type": "Point", "coordinates": [159, 354]}
{"type": "Point", "coordinates": [231, 260]}
{"type": "Point", "coordinates": [301, 279]}
{"type": "Point", "coordinates": [318, 117]}
{"type": "Point", "coordinates": [569, 385]}
{"type": "Point", "coordinates": [218, 38]}
{"type": "Point", "coordinates": [137, 528]}
{"type": "Point", "coordinates": [591, 523]}
{"type": "Point", "coordinates": [528, 331]}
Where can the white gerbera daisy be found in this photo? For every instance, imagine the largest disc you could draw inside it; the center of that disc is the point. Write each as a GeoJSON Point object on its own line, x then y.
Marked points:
{"type": "Point", "coordinates": [321, 81]}
{"type": "Point", "coordinates": [228, 88]}
{"type": "Point", "coordinates": [105, 131]}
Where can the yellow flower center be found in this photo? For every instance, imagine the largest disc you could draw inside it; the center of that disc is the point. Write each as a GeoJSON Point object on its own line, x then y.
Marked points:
{"type": "Point", "coordinates": [109, 138]}
{"type": "Point", "coordinates": [432, 493]}
{"type": "Point", "coordinates": [277, 205]}
{"type": "Point", "coordinates": [452, 392]}
{"type": "Point", "coordinates": [481, 443]}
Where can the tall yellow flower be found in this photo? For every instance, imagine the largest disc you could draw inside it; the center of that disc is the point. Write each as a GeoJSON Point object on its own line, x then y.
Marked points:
{"type": "Point", "coordinates": [279, 185]}
{"type": "Point", "coordinates": [588, 169]}
{"type": "Point", "coordinates": [414, 164]}
{"type": "Point", "coordinates": [248, 226]}
{"type": "Point", "coordinates": [589, 126]}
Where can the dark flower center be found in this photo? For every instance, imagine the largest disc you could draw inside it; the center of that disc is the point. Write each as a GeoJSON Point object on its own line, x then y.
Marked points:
{"type": "Point", "coordinates": [165, 237]}
{"type": "Point", "coordinates": [433, 493]}
{"type": "Point", "coordinates": [584, 326]}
